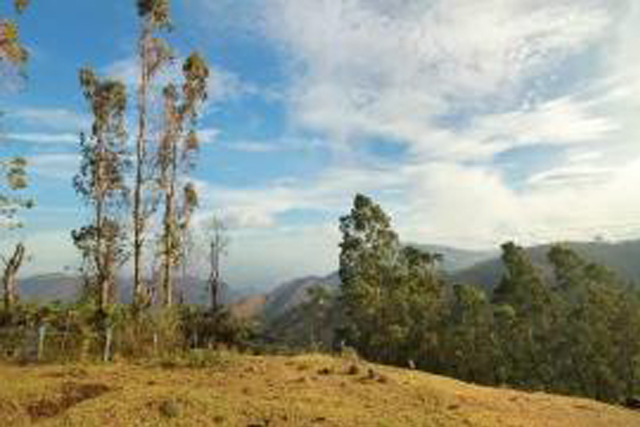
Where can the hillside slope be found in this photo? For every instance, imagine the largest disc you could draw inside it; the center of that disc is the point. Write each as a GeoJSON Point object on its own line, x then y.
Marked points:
{"type": "Point", "coordinates": [278, 391]}
{"type": "Point", "coordinates": [621, 257]}
{"type": "Point", "coordinates": [291, 294]}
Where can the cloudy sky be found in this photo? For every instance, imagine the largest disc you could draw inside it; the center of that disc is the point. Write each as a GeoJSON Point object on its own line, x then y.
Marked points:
{"type": "Point", "coordinates": [470, 122]}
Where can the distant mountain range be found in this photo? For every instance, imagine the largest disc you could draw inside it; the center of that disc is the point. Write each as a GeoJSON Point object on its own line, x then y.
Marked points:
{"type": "Point", "coordinates": [290, 294]}
{"type": "Point", "coordinates": [622, 257]}
{"type": "Point", "coordinates": [482, 268]}
{"type": "Point", "coordinates": [66, 287]}
{"type": "Point", "coordinates": [458, 259]}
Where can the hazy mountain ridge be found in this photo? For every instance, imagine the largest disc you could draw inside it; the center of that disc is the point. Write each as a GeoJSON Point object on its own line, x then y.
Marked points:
{"type": "Point", "coordinates": [482, 268]}
{"type": "Point", "coordinates": [455, 258]}
{"type": "Point", "coordinates": [67, 287]}
{"type": "Point", "coordinates": [622, 257]}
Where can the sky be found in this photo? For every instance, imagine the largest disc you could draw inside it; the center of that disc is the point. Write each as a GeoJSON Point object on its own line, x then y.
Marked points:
{"type": "Point", "coordinates": [471, 123]}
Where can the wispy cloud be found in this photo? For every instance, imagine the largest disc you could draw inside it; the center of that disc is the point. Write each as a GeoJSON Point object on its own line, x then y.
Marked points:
{"type": "Point", "coordinates": [56, 119]}
{"type": "Point", "coordinates": [284, 144]}
{"type": "Point", "coordinates": [459, 83]}
{"type": "Point", "coordinates": [224, 85]}
{"type": "Point", "coordinates": [59, 166]}
{"type": "Point", "coordinates": [43, 138]}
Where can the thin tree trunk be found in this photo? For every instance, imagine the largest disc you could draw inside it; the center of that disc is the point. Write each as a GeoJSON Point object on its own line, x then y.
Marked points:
{"type": "Point", "coordinates": [9, 279]}
{"type": "Point", "coordinates": [138, 211]}
{"type": "Point", "coordinates": [170, 227]}
{"type": "Point", "coordinates": [100, 253]}
{"type": "Point", "coordinates": [214, 279]}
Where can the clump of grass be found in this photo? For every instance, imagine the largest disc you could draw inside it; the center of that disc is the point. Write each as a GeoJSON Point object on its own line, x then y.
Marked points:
{"type": "Point", "coordinates": [198, 359]}
{"type": "Point", "coordinates": [350, 355]}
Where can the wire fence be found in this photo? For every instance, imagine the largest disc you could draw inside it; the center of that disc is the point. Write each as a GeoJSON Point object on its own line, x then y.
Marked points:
{"type": "Point", "coordinates": [46, 343]}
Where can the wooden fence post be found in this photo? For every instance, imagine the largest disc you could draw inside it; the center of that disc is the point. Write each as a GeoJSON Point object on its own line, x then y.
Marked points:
{"type": "Point", "coordinates": [107, 356]}
{"type": "Point", "coordinates": [42, 333]}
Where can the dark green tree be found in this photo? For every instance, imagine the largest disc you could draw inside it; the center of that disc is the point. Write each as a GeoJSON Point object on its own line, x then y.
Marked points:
{"type": "Point", "coordinates": [392, 295]}
{"type": "Point", "coordinates": [527, 315]}
{"type": "Point", "coordinates": [472, 350]}
{"type": "Point", "coordinates": [600, 335]}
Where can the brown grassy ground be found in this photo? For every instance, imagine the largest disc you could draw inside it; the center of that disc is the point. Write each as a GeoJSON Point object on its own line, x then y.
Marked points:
{"type": "Point", "coordinates": [277, 391]}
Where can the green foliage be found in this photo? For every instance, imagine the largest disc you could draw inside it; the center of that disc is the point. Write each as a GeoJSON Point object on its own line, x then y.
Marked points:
{"type": "Point", "coordinates": [15, 180]}
{"type": "Point", "coordinates": [470, 345]}
{"type": "Point", "coordinates": [391, 295]}
{"type": "Point", "coordinates": [156, 11]}
{"type": "Point", "coordinates": [577, 332]}
{"type": "Point", "coordinates": [12, 50]}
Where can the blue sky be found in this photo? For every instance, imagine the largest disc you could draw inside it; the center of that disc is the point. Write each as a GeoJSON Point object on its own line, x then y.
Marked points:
{"type": "Point", "coordinates": [471, 122]}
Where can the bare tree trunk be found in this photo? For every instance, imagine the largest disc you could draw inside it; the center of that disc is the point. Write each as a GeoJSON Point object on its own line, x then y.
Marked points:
{"type": "Point", "coordinates": [9, 279]}
{"type": "Point", "coordinates": [101, 261]}
{"type": "Point", "coordinates": [169, 246]}
{"type": "Point", "coordinates": [138, 210]}
{"type": "Point", "coordinates": [217, 248]}
{"type": "Point", "coordinates": [170, 228]}
{"type": "Point", "coordinates": [214, 278]}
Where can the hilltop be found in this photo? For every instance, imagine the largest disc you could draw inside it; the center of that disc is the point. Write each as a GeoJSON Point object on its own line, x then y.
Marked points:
{"type": "Point", "coordinates": [621, 257]}
{"type": "Point", "coordinates": [278, 391]}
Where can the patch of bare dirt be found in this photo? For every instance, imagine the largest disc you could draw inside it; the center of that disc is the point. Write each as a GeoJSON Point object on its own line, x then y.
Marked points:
{"type": "Point", "coordinates": [70, 395]}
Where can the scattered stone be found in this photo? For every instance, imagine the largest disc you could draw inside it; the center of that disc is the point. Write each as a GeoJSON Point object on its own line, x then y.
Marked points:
{"type": "Point", "coordinates": [324, 371]}
{"type": "Point", "coordinates": [170, 408]}
{"type": "Point", "coordinates": [353, 370]}
{"type": "Point", "coordinates": [383, 379]}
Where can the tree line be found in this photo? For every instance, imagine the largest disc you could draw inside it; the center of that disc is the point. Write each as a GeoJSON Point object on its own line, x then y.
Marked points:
{"type": "Point", "coordinates": [576, 332]}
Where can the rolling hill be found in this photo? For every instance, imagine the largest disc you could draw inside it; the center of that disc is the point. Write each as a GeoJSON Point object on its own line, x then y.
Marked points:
{"type": "Point", "coordinates": [260, 391]}
{"type": "Point", "coordinates": [622, 257]}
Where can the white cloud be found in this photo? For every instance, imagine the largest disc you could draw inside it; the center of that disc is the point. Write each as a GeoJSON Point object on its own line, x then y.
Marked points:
{"type": "Point", "coordinates": [44, 138]}
{"type": "Point", "coordinates": [330, 193]}
{"type": "Point", "coordinates": [47, 251]}
{"type": "Point", "coordinates": [224, 85]}
{"type": "Point", "coordinates": [57, 119]}
{"type": "Point", "coordinates": [461, 82]}
{"type": "Point", "coordinates": [208, 135]}
{"type": "Point", "coordinates": [370, 71]}
{"type": "Point", "coordinates": [60, 166]}
{"type": "Point", "coordinates": [275, 145]}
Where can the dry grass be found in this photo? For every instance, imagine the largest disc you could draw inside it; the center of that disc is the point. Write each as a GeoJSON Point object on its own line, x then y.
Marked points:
{"type": "Point", "coordinates": [308, 390]}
